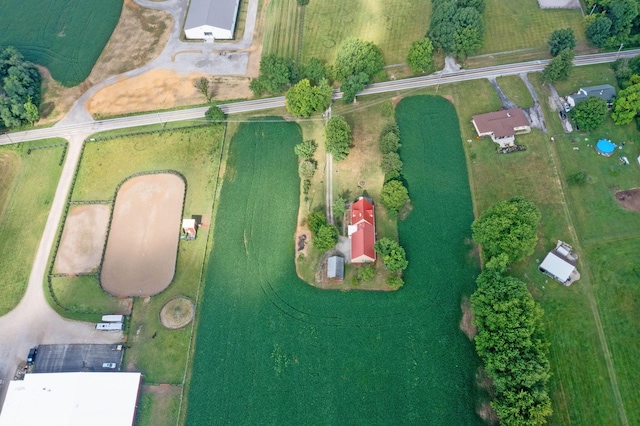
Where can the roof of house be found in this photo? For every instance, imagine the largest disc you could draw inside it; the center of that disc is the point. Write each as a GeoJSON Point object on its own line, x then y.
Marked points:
{"type": "Point", "coordinates": [335, 267]}
{"type": "Point", "coordinates": [557, 266]}
{"type": "Point", "coordinates": [72, 399]}
{"type": "Point", "coordinates": [216, 13]}
{"type": "Point", "coordinates": [604, 91]}
{"type": "Point", "coordinates": [361, 210]}
{"type": "Point", "coordinates": [362, 241]}
{"type": "Point", "coordinates": [501, 123]}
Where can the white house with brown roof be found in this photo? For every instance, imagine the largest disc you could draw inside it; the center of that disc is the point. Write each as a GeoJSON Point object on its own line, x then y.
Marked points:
{"type": "Point", "coordinates": [502, 126]}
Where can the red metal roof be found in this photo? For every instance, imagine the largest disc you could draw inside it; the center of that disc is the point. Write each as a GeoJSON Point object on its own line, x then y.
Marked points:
{"type": "Point", "coordinates": [362, 210]}
{"type": "Point", "coordinates": [364, 238]}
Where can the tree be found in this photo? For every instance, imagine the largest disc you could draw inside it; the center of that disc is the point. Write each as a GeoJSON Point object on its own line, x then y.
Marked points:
{"type": "Point", "coordinates": [508, 227]}
{"type": "Point", "coordinates": [622, 13]}
{"type": "Point", "coordinates": [393, 255]}
{"type": "Point", "coordinates": [276, 74]}
{"type": "Point", "coordinates": [215, 113]}
{"type": "Point", "coordinates": [352, 85]}
{"type": "Point", "coordinates": [315, 221]}
{"type": "Point", "coordinates": [366, 272]}
{"type": "Point", "coordinates": [315, 71]}
{"type": "Point", "coordinates": [559, 68]}
{"type": "Point", "coordinates": [590, 113]}
{"type": "Point", "coordinates": [357, 56]}
{"type": "Point", "coordinates": [626, 105]}
{"type": "Point", "coordinates": [307, 168]}
{"type": "Point", "coordinates": [469, 31]}
{"type": "Point", "coordinates": [203, 86]}
{"type": "Point", "coordinates": [20, 85]}
{"type": "Point", "coordinates": [389, 142]}
{"type": "Point", "coordinates": [420, 56]}
{"type": "Point", "coordinates": [599, 31]}
{"type": "Point", "coordinates": [394, 195]}
{"type": "Point", "coordinates": [304, 99]}
{"type": "Point", "coordinates": [326, 237]}
{"type": "Point", "coordinates": [560, 40]}
{"type": "Point", "coordinates": [477, 4]}
{"type": "Point", "coordinates": [395, 282]}
{"type": "Point", "coordinates": [442, 28]}
{"type": "Point", "coordinates": [337, 136]}
{"type": "Point", "coordinates": [305, 149]}
{"type": "Point", "coordinates": [391, 162]}
{"type": "Point", "coordinates": [339, 207]}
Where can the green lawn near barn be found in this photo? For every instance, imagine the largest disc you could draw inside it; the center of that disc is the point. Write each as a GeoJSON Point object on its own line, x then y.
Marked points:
{"type": "Point", "coordinates": [65, 36]}
{"type": "Point", "coordinates": [272, 350]}
{"type": "Point", "coordinates": [518, 25]}
{"type": "Point", "coordinates": [27, 185]}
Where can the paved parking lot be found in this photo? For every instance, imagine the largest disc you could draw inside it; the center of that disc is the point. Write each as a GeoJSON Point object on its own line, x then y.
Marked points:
{"type": "Point", "coordinates": [75, 358]}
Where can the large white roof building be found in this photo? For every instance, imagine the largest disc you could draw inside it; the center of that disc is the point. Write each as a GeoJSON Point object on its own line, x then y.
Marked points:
{"type": "Point", "coordinates": [211, 19]}
{"type": "Point", "coordinates": [72, 399]}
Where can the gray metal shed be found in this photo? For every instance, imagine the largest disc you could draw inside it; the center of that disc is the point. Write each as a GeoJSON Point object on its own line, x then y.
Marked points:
{"type": "Point", "coordinates": [335, 267]}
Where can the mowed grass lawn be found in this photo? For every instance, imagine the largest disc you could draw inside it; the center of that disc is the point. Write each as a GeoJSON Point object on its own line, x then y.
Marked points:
{"type": "Point", "coordinates": [282, 34]}
{"type": "Point", "coordinates": [512, 25]}
{"type": "Point", "coordinates": [393, 25]}
{"type": "Point", "coordinates": [66, 36]}
{"type": "Point", "coordinates": [27, 187]}
{"type": "Point", "coordinates": [270, 349]}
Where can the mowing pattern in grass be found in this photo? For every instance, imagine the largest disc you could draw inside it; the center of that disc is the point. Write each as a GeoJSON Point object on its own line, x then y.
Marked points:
{"type": "Point", "coordinates": [272, 350]}
{"type": "Point", "coordinates": [29, 192]}
{"type": "Point", "coordinates": [393, 25]}
{"type": "Point", "coordinates": [511, 25]}
{"type": "Point", "coordinates": [65, 36]}
{"type": "Point", "coordinates": [283, 31]}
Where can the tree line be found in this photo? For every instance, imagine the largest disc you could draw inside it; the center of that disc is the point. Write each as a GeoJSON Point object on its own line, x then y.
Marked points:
{"type": "Point", "coordinates": [20, 88]}
{"type": "Point", "coordinates": [510, 339]}
{"type": "Point", "coordinates": [456, 26]}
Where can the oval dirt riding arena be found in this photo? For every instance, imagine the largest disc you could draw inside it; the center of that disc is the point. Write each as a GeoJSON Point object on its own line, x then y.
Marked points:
{"type": "Point", "coordinates": [141, 252]}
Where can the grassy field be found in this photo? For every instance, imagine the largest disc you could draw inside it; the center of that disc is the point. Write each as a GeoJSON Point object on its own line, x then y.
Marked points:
{"type": "Point", "coordinates": [518, 25]}
{"type": "Point", "coordinates": [27, 187]}
{"type": "Point", "coordinates": [63, 35]}
{"type": "Point", "coordinates": [283, 30]}
{"type": "Point", "coordinates": [308, 354]}
{"type": "Point", "coordinates": [515, 89]}
{"type": "Point", "coordinates": [392, 25]}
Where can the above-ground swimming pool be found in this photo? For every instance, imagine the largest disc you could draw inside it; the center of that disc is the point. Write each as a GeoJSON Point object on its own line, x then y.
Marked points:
{"type": "Point", "coordinates": [605, 147]}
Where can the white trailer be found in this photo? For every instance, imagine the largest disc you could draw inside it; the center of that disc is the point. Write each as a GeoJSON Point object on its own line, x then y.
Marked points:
{"type": "Point", "coordinates": [109, 326]}
{"type": "Point", "coordinates": [113, 318]}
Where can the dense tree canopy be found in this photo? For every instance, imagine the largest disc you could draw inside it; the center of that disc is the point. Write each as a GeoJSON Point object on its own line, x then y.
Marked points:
{"type": "Point", "coordinates": [303, 99]}
{"type": "Point", "coordinates": [215, 113]}
{"type": "Point", "coordinates": [511, 343]}
{"type": "Point", "coordinates": [560, 40]}
{"type": "Point", "coordinates": [276, 74]}
{"type": "Point", "coordinates": [420, 56]}
{"type": "Point", "coordinates": [508, 227]}
{"type": "Point", "coordinates": [559, 68]}
{"type": "Point", "coordinates": [393, 255]}
{"type": "Point", "coordinates": [590, 113]}
{"type": "Point", "coordinates": [612, 23]}
{"type": "Point", "coordinates": [357, 56]}
{"type": "Point", "coordinates": [326, 237]}
{"type": "Point", "coordinates": [337, 136]}
{"type": "Point", "coordinates": [306, 149]}
{"type": "Point", "coordinates": [598, 31]}
{"type": "Point", "coordinates": [315, 71]}
{"type": "Point", "coordinates": [456, 27]}
{"type": "Point", "coordinates": [442, 28]}
{"type": "Point", "coordinates": [469, 31]}
{"type": "Point", "coordinates": [394, 195]}
{"type": "Point", "coordinates": [626, 105]}
{"type": "Point", "coordinates": [315, 221]}
{"type": "Point", "coordinates": [20, 85]}
{"type": "Point", "coordinates": [352, 85]}
{"type": "Point", "coordinates": [391, 162]}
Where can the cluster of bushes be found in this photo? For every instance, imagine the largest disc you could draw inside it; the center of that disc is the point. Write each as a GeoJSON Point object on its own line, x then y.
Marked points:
{"type": "Point", "coordinates": [337, 137]}
{"type": "Point", "coordinates": [20, 85]}
{"type": "Point", "coordinates": [626, 105]}
{"type": "Point", "coordinates": [325, 236]}
{"type": "Point", "coordinates": [277, 74]}
{"type": "Point", "coordinates": [394, 194]}
{"type": "Point", "coordinates": [613, 23]}
{"type": "Point", "coordinates": [307, 165]}
{"type": "Point", "coordinates": [357, 62]}
{"type": "Point", "coordinates": [394, 258]}
{"type": "Point", "coordinates": [456, 26]}
{"type": "Point", "coordinates": [510, 339]}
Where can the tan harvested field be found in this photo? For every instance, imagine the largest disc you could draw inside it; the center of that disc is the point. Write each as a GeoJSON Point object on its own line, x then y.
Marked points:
{"type": "Point", "coordinates": [140, 258]}
{"type": "Point", "coordinates": [82, 239]}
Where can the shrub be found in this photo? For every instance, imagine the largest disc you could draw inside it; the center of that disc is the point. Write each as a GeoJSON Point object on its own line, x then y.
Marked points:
{"type": "Point", "coordinates": [326, 237]}
{"type": "Point", "coordinates": [394, 195]}
{"type": "Point", "coordinates": [306, 149]}
{"type": "Point", "coordinates": [366, 273]}
{"type": "Point", "coordinates": [395, 282]}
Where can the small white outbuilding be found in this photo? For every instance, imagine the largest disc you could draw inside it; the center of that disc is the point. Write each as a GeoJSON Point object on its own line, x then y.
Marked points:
{"type": "Point", "coordinates": [211, 19]}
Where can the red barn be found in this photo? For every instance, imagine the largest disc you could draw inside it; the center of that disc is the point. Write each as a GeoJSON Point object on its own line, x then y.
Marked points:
{"type": "Point", "coordinates": [362, 231]}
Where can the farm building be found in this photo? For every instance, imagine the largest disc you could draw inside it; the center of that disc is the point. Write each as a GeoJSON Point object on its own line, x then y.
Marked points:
{"type": "Point", "coordinates": [362, 231]}
{"type": "Point", "coordinates": [335, 267]}
{"type": "Point", "coordinates": [502, 126]}
{"type": "Point", "coordinates": [189, 228]}
{"type": "Point", "coordinates": [211, 19]}
{"type": "Point", "coordinates": [72, 399]}
{"type": "Point", "coordinates": [604, 91]}
{"type": "Point", "coordinates": [560, 264]}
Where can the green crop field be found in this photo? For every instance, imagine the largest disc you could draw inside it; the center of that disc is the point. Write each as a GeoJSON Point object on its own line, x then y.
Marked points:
{"type": "Point", "coordinates": [65, 36]}
{"type": "Point", "coordinates": [270, 349]}
{"type": "Point", "coordinates": [27, 186]}
{"type": "Point", "coordinates": [392, 25]}
{"type": "Point", "coordinates": [512, 25]}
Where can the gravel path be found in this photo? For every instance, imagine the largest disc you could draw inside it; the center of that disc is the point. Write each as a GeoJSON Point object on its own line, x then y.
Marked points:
{"type": "Point", "coordinates": [536, 117]}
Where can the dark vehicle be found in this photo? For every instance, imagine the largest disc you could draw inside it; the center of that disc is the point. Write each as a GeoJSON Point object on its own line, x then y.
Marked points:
{"type": "Point", "coordinates": [563, 114]}
{"type": "Point", "coordinates": [31, 358]}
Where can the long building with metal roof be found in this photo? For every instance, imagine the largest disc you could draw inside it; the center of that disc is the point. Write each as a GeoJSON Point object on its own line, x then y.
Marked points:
{"type": "Point", "coordinates": [211, 19]}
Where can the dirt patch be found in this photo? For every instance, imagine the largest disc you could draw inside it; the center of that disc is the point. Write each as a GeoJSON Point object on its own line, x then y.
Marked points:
{"type": "Point", "coordinates": [466, 323]}
{"type": "Point", "coordinates": [140, 258]}
{"type": "Point", "coordinates": [83, 239]}
{"type": "Point", "coordinates": [629, 199]}
{"type": "Point", "coordinates": [559, 4]}
{"type": "Point", "coordinates": [161, 89]}
{"type": "Point", "coordinates": [149, 29]}
{"type": "Point", "coordinates": [488, 414]}
{"type": "Point", "coordinates": [177, 313]}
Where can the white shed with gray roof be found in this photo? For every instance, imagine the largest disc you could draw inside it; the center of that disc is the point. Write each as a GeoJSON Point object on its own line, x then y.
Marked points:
{"type": "Point", "coordinates": [211, 19]}
{"type": "Point", "coordinates": [335, 267]}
